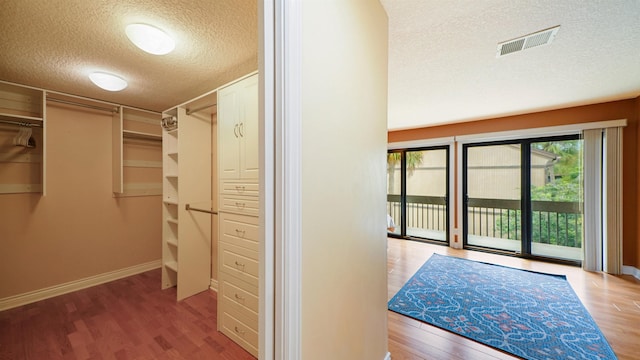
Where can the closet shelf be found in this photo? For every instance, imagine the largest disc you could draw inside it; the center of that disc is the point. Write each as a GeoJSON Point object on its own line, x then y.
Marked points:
{"type": "Point", "coordinates": [171, 202]}
{"type": "Point", "coordinates": [172, 242]}
{"type": "Point", "coordinates": [21, 118]}
{"type": "Point", "coordinates": [172, 221]}
{"type": "Point", "coordinates": [173, 154]}
{"type": "Point", "coordinates": [171, 176]}
{"type": "Point", "coordinates": [129, 134]}
{"type": "Point", "coordinates": [173, 265]}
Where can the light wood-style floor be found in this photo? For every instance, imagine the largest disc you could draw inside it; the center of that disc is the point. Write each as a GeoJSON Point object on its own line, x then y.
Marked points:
{"type": "Point", "coordinates": [125, 319]}
{"type": "Point", "coordinates": [613, 302]}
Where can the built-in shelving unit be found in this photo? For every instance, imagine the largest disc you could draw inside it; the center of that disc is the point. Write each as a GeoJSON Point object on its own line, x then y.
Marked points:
{"type": "Point", "coordinates": [186, 156]}
{"type": "Point", "coordinates": [137, 153]}
{"type": "Point", "coordinates": [238, 194]}
{"type": "Point", "coordinates": [22, 117]}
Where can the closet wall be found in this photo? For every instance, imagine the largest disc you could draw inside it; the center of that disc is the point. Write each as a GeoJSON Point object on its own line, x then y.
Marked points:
{"type": "Point", "coordinates": [78, 229]}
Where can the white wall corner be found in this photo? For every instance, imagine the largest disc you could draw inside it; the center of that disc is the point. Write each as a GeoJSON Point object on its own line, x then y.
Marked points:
{"type": "Point", "coordinates": [214, 285]}
{"type": "Point", "coordinates": [631, 270]}
{"type": "Point", "coordinates": [388, 357]}
{"type": "Point", "coordinates": [56, 290]}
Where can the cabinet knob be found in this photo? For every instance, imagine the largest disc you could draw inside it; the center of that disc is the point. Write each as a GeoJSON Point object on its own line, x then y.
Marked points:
{"type": "Point", "coordinates": [241, 130]}
{"type": "Point", "coordinates": [238, 264]}
{"type": "Point", "coordinates": [240, 232]}
{"type": "Point", "coordinates": [238, 297]}
{"type": "Point", "coordinates": [235, 130]}
{"type": "Point", "coordinates": [239, 188]}
{"type": "Point", "coordinates": [240, 205]}
{"type": "Point", "coordinates": [241, 332]}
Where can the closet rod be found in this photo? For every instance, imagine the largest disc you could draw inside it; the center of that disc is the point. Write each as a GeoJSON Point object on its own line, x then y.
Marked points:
{"type": "Point", "coordinates": [114, 109]}
{"type": "Point", "coordinates": [191, 111]}
{"type": "Point", "coordinates": [20, 123]}
{"type": "Point", "coordinates": [188, 207]}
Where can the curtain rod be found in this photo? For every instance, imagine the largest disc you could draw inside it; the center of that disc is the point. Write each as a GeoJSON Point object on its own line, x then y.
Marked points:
{"type": "Point", "coordinates": [191, 111]}
{"type": "Point", "coordinates": [114, 109]}
{"type": "Point", "coordinates": [20, 123]}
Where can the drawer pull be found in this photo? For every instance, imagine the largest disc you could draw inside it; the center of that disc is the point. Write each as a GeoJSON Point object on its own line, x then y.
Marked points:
{"type": "Point", "coordinates": [241, 332]}
{"type": "Point", "coordinates": [238, 297]}
{"type": "Point", "coordinates": [239, 188]}
{"type": "Point", "coordinates": [240, 232]}
{"type": "Point", "coordinates": [240, 205]}
{"type": "Point", "coordinates": [239, 264]}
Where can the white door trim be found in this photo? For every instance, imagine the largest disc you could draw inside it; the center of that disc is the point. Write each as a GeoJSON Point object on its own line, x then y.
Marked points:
{"type": "Point", "coordinates": [281, 202]}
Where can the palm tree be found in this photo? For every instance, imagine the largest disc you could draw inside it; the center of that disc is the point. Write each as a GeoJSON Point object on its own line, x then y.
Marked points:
{"type": "Point", "coordinates": [414, 159]}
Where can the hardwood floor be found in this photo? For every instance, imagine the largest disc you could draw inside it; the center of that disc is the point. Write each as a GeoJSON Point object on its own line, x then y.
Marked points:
{"type": "Point", "coordinates": [127, 319]}
{"type": "Point", "coordinates": [613, 302]}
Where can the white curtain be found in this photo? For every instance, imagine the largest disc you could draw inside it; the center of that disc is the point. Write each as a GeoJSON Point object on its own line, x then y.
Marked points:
{"type": "Point", "coordinates": [592, 220]}
{"type": "Point", "coordinates": [603, 200]}
{"type": "Point", "coordinates": [612, 198]}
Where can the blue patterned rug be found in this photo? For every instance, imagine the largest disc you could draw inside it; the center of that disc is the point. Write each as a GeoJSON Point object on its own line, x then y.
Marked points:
{"type": "Point", "coordinates": [528, 314]}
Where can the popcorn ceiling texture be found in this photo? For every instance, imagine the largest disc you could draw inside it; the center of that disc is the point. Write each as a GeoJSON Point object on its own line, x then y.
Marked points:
{"type": "Point", "coordinates": [443, 66]}
{"type": "Point", "coordinates": [55, 44]}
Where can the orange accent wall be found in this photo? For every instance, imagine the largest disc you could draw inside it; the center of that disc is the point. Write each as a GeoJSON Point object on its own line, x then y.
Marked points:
{"type": "Point", "coordinates": [624, 109]}
{"type": "Point", "coordinates": [78, 229]}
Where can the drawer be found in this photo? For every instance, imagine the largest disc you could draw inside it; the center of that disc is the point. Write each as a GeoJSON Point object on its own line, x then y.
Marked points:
{"type": "Point", "coordinates": [241, 301]}
{"type": "Point", "coordinates": [239, 230]}
{"type": "Point", "coordinates": [239, 188]}
{"type": "Point", "coordinates": [243, 334]}
{"type": "Point", "coordinates": [239, 262]}
{"type": "Point", "coordinates": [240, 204]}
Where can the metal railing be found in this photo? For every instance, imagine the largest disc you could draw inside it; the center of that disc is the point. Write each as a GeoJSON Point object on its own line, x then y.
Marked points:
{"type": "Point", "coordinates": [553, 222]}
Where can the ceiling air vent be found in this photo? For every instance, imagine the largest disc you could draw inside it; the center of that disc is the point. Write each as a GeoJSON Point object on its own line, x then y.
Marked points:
{"type": "Point", "coordinates": [542, 37]}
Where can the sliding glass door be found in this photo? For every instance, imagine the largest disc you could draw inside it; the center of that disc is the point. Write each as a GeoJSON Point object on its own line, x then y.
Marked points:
{"type": "Point", "coordinates": [418, 192]}
{"type": "Point", "coordinates": [525, 197]}
{"type": "Point", "coordinates": [493, 196]}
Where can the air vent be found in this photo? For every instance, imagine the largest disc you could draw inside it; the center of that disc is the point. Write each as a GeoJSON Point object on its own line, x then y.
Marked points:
{"type": "Point", "coordinates": [542, 37]}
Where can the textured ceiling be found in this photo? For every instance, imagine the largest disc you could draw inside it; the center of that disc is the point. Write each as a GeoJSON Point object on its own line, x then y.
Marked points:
{"type": "Point", "coordinates": [55, 44]}
{"type": "Point", "coordinates": [443, 66]}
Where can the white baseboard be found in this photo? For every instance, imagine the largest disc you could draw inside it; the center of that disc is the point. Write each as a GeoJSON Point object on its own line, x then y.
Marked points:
{"type": "Point", "coordinates": [214, 285]}
{"type": "Point", "coordinates": [388, 357]}
{"type": "Point", "coordinates": [630, 270]}
{"type": "Point", "coordinates": [49, 292]}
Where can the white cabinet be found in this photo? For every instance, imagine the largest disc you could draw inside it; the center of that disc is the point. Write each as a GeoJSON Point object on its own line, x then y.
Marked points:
{"type": "Point", "coordinates": [186, 245]}
{"type": "Point", "coordinates": [238, 247]}
{"type": "Point", "coordinates": [238, 130]}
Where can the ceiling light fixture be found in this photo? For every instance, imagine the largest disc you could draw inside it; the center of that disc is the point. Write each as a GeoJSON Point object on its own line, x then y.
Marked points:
{"type": "Point", "coordinates": [150, 39]}
{"type": "Point", "coordinates": [108, 81]}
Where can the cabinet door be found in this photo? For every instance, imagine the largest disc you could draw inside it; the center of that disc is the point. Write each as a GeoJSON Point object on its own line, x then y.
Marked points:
{"type": "Point", "coordinates": [228, 133]}
{"type": "Point", "coordinates": [249, 159]}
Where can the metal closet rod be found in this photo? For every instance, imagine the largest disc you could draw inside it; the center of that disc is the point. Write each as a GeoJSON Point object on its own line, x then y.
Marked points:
{"type": "Point", "coordinates": [191, 111]}
{"type": "Point", "coordinates": [114, 109]}
{"type": "Point", "coordinates": [188, 207]}
{"type": "Point", "coordinates": [20, 123]}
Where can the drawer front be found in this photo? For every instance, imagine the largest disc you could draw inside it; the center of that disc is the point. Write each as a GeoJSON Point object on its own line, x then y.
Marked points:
{"type": "Point", "coordinates": [240, 296]}
{"type": "Point", "coordinates": [239, 230]}
{"type": "Point", "coordinates": [239, 188]}
{"type": "Point", "coordinates": [239, 204]}
{"type": "Point", "coordinates": [240, 332]}
{"type": "Point", "coordinates": [239, 262]}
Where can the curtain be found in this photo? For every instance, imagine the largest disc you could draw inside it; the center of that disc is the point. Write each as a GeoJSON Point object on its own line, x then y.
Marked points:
{"type": "Point", "coordinates": [612, 196]}
{"type": "Point", "coordinates": [592, 220]}
{"type": "Point", "coordinates": [603, 200]}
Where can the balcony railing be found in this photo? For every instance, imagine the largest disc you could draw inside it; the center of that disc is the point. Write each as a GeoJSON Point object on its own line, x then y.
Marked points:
{"type": "Point", "coordinates": [553, 222]}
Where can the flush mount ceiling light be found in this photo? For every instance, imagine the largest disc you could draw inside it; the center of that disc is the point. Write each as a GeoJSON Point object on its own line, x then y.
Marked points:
{"type": "Point", "coordinates": [150, 39]}
{"type": "Point", "coordinates": [108, 81]}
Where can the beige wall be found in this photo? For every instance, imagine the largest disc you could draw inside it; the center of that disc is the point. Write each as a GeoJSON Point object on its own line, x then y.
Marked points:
{"type": "Point", "coordinates": [344, 89]}
{"type": "Point", "coordinates": [79, 229]}
{"type": "Point", "coordinates": [624, 109]}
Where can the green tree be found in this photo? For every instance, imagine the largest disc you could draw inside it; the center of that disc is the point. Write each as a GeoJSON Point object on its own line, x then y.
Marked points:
{"type": "Point", "coordinates": [414, 159]}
